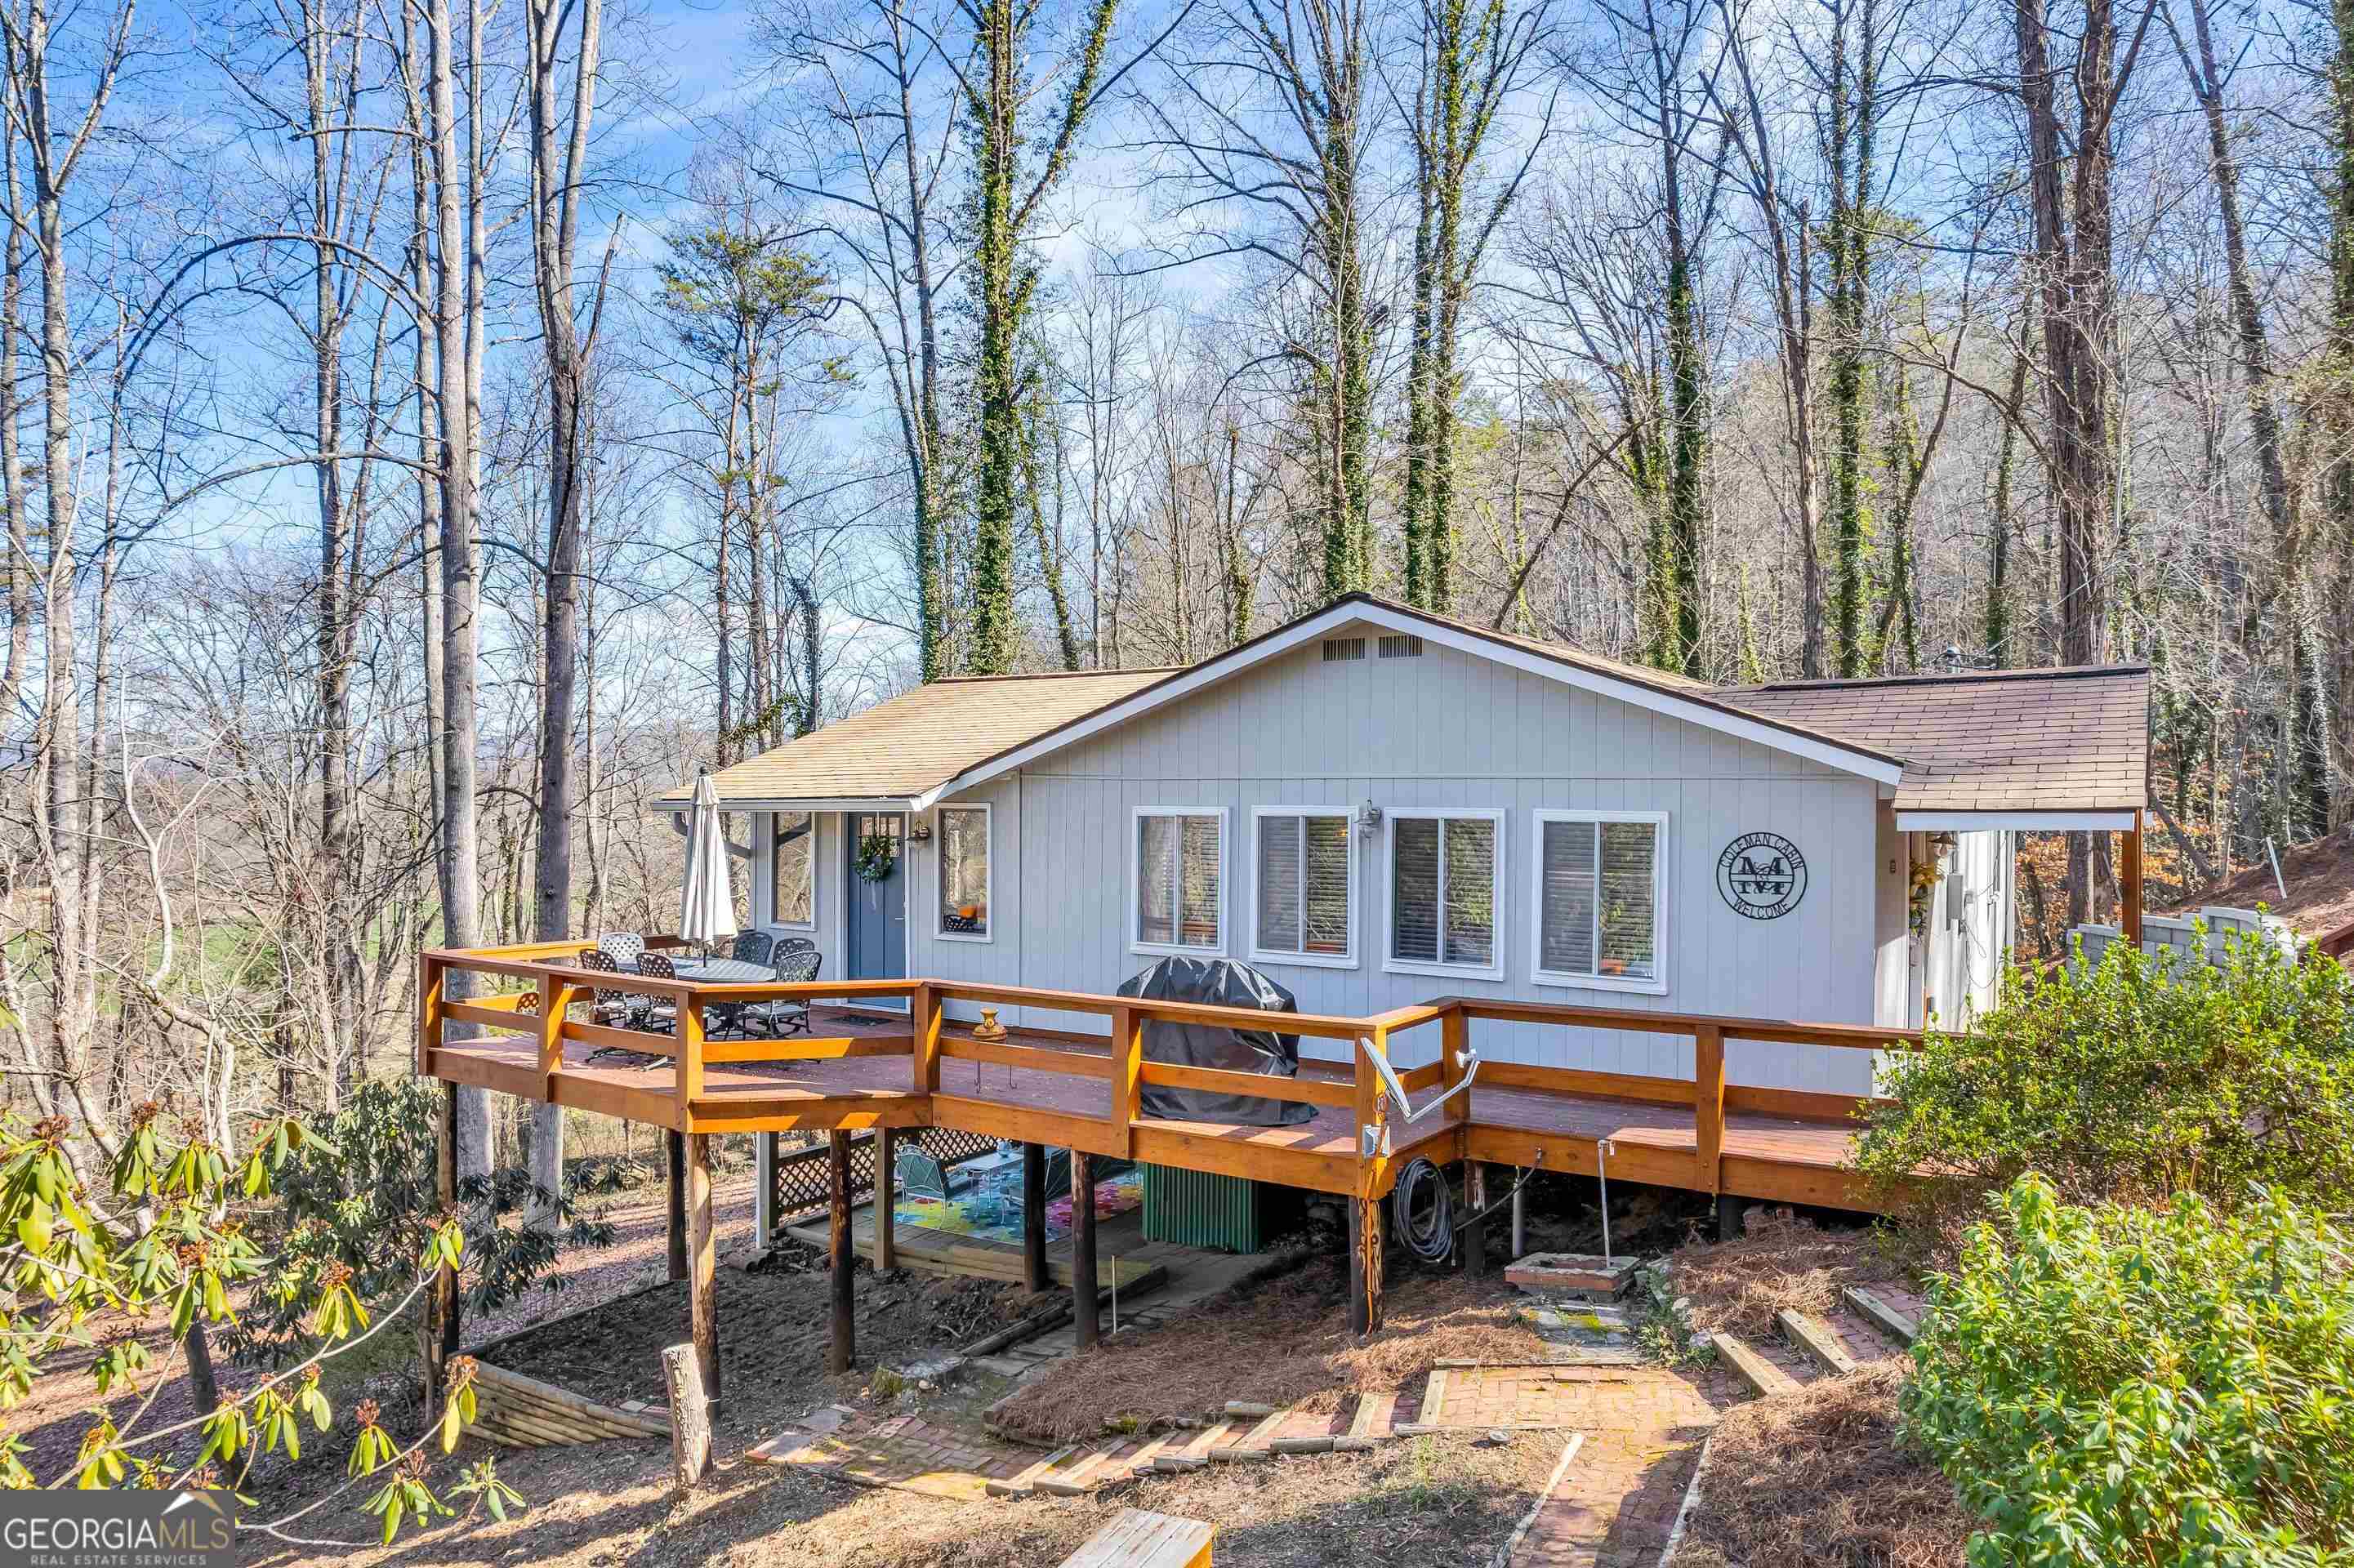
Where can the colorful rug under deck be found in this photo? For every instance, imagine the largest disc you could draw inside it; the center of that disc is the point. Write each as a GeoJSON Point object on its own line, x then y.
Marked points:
{"type": "Point", "coordinates": [994, 1210]}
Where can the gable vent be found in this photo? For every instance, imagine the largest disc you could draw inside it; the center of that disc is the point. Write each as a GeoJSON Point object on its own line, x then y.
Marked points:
{"type": "Point", "coordinates": [1340, 649]}
{"type": "Point", "coordinates": [1400, 645]}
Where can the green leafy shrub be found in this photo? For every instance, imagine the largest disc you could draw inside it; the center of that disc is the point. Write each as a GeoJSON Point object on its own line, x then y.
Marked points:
{"type": "Point", "coordinates": [163, 1235]}
{"type": "Point", "coordinates": [2131, 1080]}
{"type": "Point", "coordinates": [2117, 1385]}
{"type": "Point", "coordinates": [361, 1203]}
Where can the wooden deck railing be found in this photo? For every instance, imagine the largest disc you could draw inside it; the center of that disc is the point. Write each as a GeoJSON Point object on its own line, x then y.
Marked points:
{"type": "Point", "coordinates": [558, 983]}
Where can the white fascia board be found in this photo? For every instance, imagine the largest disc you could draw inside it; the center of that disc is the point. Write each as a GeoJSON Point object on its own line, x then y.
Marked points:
{"type": "Point", "coordinates": [2018, 821]}
{"type": "Point", "coordinates": [1704, 714]}
{"type": "Point", "coordinates": [780, 803]}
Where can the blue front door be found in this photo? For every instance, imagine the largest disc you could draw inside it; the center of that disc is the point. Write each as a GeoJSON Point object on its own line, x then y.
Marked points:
{"type": "Point", "coordinates": [878, 905]}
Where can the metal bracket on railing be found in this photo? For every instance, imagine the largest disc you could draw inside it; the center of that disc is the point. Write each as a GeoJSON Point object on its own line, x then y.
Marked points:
{"type": "Point", "coordinates": [1374, 1140]}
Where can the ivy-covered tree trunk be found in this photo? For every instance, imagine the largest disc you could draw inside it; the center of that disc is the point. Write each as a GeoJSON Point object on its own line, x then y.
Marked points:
{"type": "Point", "coordinates": [1472, 54]}
{"type": "Point", "coordinates": [1851, 176]}
{"type": "Point", "coordinates": [998, 439]}
{"type": "Point", "coordinates": [2337, 424]}
{"type": "Point", "coordinates": [1999, 524]}
{"type": "Point", "coordinates": [1003, 282]}
{"type": "Point", "coordinates": [1901, 457]}
{"type": "Point", "coordinates": [1419, 390]}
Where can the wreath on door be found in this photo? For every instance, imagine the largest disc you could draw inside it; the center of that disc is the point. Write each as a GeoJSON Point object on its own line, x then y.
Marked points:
{"type": "Point", "coordinates": [878, 853]}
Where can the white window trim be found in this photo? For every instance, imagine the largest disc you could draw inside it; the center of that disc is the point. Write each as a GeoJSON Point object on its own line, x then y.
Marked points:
{"type": "Point", "coordinates": [989, 867]}
{"type": "Point", "coordinates": [1538, 974]}
{"type": "Point", "coordinates": [776, 847]}
{"type": "Point", "coordinates": [1393, 964]}
{"type": "Point", "coordinates": [1260, 955]}
{"type": "Point", "coordinates": [1137, 944]}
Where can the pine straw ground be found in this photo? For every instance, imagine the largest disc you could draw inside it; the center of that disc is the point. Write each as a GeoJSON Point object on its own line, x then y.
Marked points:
{"type": "Point", "coordinates": [1819, 1476]}
{"type": "Point", "coordinates": [1286, 1341]}
{"type": "Point", "coordinates": [1736, 1287]}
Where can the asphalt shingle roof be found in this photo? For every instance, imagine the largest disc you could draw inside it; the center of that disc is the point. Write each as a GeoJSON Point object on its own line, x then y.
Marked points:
{"type": "Point", "coordinates": [2024, 740]}
{"type": "Point", "coordinates": [921, 739]}
{"type": "Point", "coordinates": [2013, 740]}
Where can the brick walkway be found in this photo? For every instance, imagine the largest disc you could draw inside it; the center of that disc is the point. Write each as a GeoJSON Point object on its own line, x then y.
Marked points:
{"type": "Point", "coordinates": [1642, 1428]}
{"type": "Point", "coordinates": [1618, 1499]}
{"type": "Point", "coordinates": [905, 1453]}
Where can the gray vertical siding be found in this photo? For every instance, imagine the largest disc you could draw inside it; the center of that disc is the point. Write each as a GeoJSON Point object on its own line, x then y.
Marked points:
{"type": "Point", "coordinates": [1445, 729]}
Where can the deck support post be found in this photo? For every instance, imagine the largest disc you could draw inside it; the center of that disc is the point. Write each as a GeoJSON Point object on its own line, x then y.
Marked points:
{"type": "Point", "coordinates": [1475, 1227]}
{"type": "Point", "coordinates": [764, 1191]}
{"type": "Point", "coordinates": [1083, 1248]}
{"type": "Point", "coordinates": [1708, 1106]}
{"type": "Point", "coordinates": [1730, 1211]}
{"type": "Point", "coordinates": [441, 1341]}
{"type": "Point", "coordinates": [702, 1266]}
{"type": "Point", "coordinates": [1365, 1200]}
{"type": "Point", "coordinates": [674, 1158]}
{"type": "Point", "coordinates": [887, 1199]}
{"type": "Point", "coordinates": [1033, 1217]}
{"type": "Point", "coordinates": [842, 1346]}
{"type": "Point", "coordinates": [2129, 922]}
{"type": "Point", "coordinates": [1364, 1265]}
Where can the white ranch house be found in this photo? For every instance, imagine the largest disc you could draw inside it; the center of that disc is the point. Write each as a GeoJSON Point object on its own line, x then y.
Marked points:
{"type": "Point", "coordinates": [1375, 805]}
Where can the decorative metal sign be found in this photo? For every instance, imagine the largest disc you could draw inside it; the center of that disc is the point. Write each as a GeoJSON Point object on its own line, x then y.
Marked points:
{"type": "Point", "coordinates": [1762, 875]}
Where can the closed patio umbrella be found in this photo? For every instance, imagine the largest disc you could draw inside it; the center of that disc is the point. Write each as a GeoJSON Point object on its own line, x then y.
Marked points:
{"type": "Point", "coordinates": [706, 905]}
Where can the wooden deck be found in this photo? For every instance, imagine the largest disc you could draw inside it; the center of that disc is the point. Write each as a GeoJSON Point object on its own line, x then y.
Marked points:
{"type": "Point", "coordinates": [862, 1067]}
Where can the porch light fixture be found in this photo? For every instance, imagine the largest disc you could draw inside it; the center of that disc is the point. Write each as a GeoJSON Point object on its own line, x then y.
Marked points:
{"type": "Point", "coordinates": [919, 827]}
{"type": "Point", "coordinates": [1369, 817]}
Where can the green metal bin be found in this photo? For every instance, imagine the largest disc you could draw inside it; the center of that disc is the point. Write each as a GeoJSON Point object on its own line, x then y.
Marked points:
{"type": "Point", "coordinates": [1195, 1209]}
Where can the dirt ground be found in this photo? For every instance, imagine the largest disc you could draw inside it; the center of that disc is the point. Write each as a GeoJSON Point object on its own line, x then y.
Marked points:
{"type": "Point", "coordinates": [1285, 1342]}
{"type": "Point", "coordinates": [1780, 1260]}
{"type": "Point", "coordinates": [773, 1330]}
{"type": "Point", "coordinates": [1431, 1502]}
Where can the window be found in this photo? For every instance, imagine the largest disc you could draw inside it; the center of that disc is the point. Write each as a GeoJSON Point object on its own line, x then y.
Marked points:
{"type": "Point", "coordinates": [1306, 898]}
{"type": "Point", "coordinates": [964, 873]}
{"type": "Point", "coordinates": [1598, 886]}
{"type": "Point", "coordinates": [1179, 876]}
{"type": "Point", "coordinates": [1444, 869]}
{"type": "Point", "coordinates": [794, 897]}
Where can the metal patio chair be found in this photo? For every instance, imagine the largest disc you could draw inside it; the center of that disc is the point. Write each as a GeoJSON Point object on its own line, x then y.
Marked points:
{"type": "Point", "coordinates": [782, 1018]}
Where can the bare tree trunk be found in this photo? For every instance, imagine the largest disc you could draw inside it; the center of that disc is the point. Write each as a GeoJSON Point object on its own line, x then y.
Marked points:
{"type": "Point", "coordinates": [556, 178]}
{"type": "Point", "coordinates": [454, 409]}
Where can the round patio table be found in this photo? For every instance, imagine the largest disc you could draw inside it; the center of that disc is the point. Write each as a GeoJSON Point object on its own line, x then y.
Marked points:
{"type": "Point", "coordinates": [723, 971]}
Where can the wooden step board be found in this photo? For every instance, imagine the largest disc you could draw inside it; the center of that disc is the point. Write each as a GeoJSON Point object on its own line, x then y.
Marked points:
{"type": "Point", "coordinates": [1898, 1326]}
{"type": "Point", "coordinates": [1139, 1539]}
{"type": "Point", "coordinates": [1814, 1340]}
{"type": "Point", "coordinates": [1024, 1482]}
{"type": "Point", "coordinates": [1195, 1453]}
{"type": "Point", "coordinates": [523, 1412]}
{"type": "Point", "coordinates": [1763, 1376]}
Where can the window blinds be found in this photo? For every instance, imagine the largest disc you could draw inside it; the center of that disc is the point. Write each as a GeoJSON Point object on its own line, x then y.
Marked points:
{"type": "Point", "coordinates": [1178, 889]}
{"type": "Point", "coordinates": [1598, 911]}
{"type": "Point", "coordinates": [1443, 890]}
{"type": "Point", "coordinates": [1303, 884]}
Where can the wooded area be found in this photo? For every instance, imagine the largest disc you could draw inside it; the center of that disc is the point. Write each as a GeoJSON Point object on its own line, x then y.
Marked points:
{"type": "Point", "coordinates": [430, 431]}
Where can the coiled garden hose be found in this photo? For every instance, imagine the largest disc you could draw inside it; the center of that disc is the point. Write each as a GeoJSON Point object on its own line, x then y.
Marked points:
{"type": "Point", "coordinates": [1422, 1211]}
{"type": "Point", "coordinates": [1422, 1208]}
